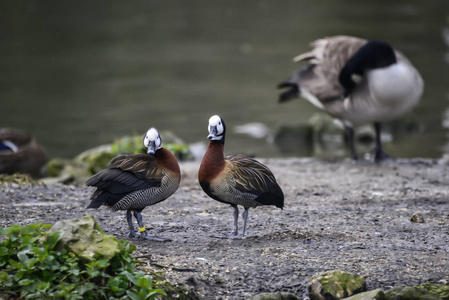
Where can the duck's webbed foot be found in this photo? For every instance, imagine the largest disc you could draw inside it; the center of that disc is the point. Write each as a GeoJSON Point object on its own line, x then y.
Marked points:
{"type": "Point", "coordinates": [142, 229]}
{"type": "Point", "coordinates": [133, 234]}
{"type": "Point", "coordinates": [144, 235]}
{"type": "Point", "coordinates": [234, 233]}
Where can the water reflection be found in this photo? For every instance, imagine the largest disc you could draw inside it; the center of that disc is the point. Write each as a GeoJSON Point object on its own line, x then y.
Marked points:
{"type": "Point", "coordinates": [79, 74]}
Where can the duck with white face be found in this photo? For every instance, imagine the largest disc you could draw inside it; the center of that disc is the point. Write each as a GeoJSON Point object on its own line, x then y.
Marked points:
{"type": "Point", "coordinates": [133, 182]}
{"type": "Point", "coordinates": [152, 141]}
{"type": "Point", "coordinates": [236, 179]}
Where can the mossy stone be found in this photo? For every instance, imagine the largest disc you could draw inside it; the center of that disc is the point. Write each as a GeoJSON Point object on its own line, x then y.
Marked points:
{"type": "Point", "coordinates": [436, 289]}
{"type": "Point", "coordinates": [18, 178]}
{"type": "Point", "coordinates": [86, 239]}
{"type": "Point", "coordinates": [335, 285]}
{"type": "Point", "coordinates": [376, 294]}
{"type": "Point", "coordinates": [426, 291]}
{"type": "Point", "coordinates": [294, 138]}
{"type": "Point", "coordinates": [96, 159]}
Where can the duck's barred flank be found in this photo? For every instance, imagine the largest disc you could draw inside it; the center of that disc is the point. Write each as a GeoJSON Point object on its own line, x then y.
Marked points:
{"type": "Point", "coordinates": [143, 198]}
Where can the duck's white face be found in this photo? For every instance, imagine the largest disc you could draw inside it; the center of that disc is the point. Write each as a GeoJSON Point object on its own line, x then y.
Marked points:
{"type": "Point", "coordinates": [216, 128]}
{"type": "Point", "coordinates": [152, 140]}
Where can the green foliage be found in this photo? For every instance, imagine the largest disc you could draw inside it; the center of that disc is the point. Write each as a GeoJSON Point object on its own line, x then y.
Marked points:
{"type": "Point", "coordinates": [30, 268]}
{"type": "Point", "coordinates": [128, 145]}
{"type": "Point", "coordinates": [181, 151]}
{"type": "Point", "coordinates": [133, 145]}
{"type": "Point", "coordinates": [18, 179]}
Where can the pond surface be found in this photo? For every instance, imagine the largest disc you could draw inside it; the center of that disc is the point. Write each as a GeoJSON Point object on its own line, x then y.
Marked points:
{"type": "Point", "coordinates": [77, 74]}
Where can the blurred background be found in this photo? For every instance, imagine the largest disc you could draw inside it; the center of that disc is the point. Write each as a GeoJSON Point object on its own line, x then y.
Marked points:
{"type": "Point", "coordinates": [78, 74]}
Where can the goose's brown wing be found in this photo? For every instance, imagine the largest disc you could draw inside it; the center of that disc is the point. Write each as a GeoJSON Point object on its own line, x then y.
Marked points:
{"type": "Point", "coordinates": [326, 59]}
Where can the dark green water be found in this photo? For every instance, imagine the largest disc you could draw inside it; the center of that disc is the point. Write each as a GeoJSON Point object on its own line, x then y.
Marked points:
{"type": "Point", "coordinates": [76, 74]}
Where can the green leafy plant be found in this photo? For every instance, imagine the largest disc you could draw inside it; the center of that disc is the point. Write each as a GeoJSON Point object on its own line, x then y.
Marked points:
{"type": "Point", "coordinates": [132, 145]}
{"type": "Point", "coordinates": [128, 145]}
{"type": "Point", "coordinates": [30, 268]}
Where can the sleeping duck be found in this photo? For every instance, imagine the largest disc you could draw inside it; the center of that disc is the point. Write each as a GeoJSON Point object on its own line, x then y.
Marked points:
{"type": "Point", "coordinates": [20, 153]}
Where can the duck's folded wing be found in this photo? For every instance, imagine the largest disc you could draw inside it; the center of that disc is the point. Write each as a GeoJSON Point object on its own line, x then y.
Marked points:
{"type": "Point", "coordinates": [128, 173]}
{"type": "Point", "coordinates": [249, 174]}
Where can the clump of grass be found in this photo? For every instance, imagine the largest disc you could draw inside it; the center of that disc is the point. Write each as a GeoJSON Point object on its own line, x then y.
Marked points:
{"type": "Point", "coordinates": [31, 268]}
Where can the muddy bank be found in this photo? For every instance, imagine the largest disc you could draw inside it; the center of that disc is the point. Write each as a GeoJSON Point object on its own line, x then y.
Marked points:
{"type": "Point", "coordinates": [337, 215]}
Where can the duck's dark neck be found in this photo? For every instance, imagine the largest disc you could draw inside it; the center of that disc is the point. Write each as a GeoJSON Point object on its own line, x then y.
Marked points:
{"type": "Point", "coordinates": [213, 161]}
{"type": "Point", "coordinates": [168, 160]}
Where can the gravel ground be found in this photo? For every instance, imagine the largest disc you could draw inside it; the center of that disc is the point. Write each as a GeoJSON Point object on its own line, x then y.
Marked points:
{"type": "Point", "coordinates": [337, 215]}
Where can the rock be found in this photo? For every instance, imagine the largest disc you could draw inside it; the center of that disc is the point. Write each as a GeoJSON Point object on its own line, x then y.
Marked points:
{"type": "Point", "coordinates": [198, 150]}
{"type": "Point", "coordinates": [436, 289]}
{"type": "Point", "coordinates": [99, 157]}
{"type": "Point", "coordinates": [376, 294]}
{"type": "Point", "coordinates": [425, 291]}
{"type": "Point", "coordinates": [95, 159]}
{"type": "Point", "coordinates": [85, 239]}
{"type": "Point", "coordinates": [324, 125]}
{"type": "Point", "coordinates": [275, 296]}
{"type": "Point", "coordinates": [417, 217]}
{"type": "Point", "coordinates": [19, 179]}
{"type": "Point", "coordinates": [296, 138]}
{"type": "Point", "coordinates": [365, 134]}
{"type": "Point", "coordinates": [328, 135]}
{"type": "Point", "coordinates": [255, 130]}
{"type": "Point", "coordinates": [335, 285]}
{"type": "Point", "coordinates": [63, 179]}
{"type": "Point", "coordinates": [421, 292]}
{"type": "Point", "coordinates": [67, 171]}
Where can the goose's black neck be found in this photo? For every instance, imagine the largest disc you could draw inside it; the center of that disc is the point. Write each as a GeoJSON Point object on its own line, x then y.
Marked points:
{"type": "Point", "coordinates": [373, 55]}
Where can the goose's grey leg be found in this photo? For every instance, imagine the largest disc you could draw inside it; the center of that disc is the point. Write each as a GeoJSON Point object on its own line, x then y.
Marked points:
{"type": "Point", "coordinates": [350, 137]}
{"type": "Point", "coordinates": [129, 218]}
{"type": "Point", "coordinates": [143, 231]}
{"type": "Point", "coordinates": [379, 154]}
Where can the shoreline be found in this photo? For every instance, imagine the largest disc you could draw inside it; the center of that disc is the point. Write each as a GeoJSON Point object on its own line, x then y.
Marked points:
{"type": "Point", "coordinates": [338, 215]}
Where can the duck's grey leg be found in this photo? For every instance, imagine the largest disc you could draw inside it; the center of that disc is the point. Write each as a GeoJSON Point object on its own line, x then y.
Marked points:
{"type": "Point", "coordinates": [245, 219]}
{"type": "Point", "coordinates": [379, 154]}
{"type": "Point", "coordinates": [350, 137]}
{"type": "Point", "coordinates": [234, 231]}
{"type": "Point", "coordinates": [236, 219]}
{"type": "Point", "coordinates": [129, 218]}
{"type": "Point", "coordinates": [143, 231]}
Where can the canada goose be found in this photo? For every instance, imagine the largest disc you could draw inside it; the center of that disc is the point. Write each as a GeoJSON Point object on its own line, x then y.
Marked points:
{"type": "Point", "coordinates": [20, 153]}
{"type": "Point", "coordinates": [133, 182]}
{"type": "Point", "coordinates": [236, 179]}
{"type": "Point", "coordinates": [356, 81]}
